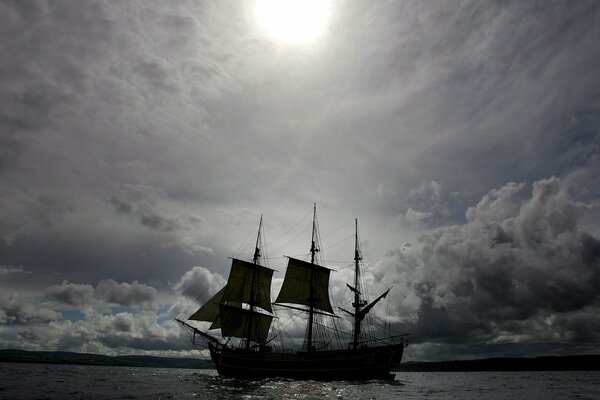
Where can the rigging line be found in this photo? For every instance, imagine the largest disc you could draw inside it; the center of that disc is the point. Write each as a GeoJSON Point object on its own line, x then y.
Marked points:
{"type": "Point", "coordinates": [379, 279]}
{"type": "Point", "coordinates": [263, 247]}
{"type": "Point", "coordinates": [337, 229]}
{"type": "Point", "coordinates": [331, 328]}
{"type": "Point", "coordinates": [321, 253]}
{"type": "Point", "coordinates": [289, 320]}
{"type": "Point", "coordinates": [303, 255]}
{"type": "Point", "coordinates": [293, 227]}
{"type": "Point", "coordinates": [339, 262]}
{"type": "Point", "coordinates": [291, 240]}
{"type": "Point", "coordinates": [349, 265]}
{"type": "Point", "coordinates": [341, 241]}
{"type": "Point", "coordinates": [243, 244]}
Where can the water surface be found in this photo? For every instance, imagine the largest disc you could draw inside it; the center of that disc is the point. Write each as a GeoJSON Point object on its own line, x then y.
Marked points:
{"type": "Point", "coordinates": [45, 381]}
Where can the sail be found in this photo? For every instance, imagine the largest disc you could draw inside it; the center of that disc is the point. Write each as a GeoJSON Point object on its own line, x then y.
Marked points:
{"type": "Point", "coordinates": [249, 283]}
{"type": "Point", "coordinates": [296, 288]}
{"type": "Point", "coordinates": [236, 322]}
{"type": "Point", "coordinates": [210, 310]}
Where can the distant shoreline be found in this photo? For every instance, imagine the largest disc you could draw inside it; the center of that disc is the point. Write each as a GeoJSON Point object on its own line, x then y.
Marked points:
{"type": "Point", "coordinates": [63, 357]}
{"type": "Point", "coordinates": [547, 363]}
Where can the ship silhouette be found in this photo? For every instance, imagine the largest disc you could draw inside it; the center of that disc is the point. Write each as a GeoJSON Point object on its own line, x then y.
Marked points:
{"type": "Point", "coordinates": [243, 309]}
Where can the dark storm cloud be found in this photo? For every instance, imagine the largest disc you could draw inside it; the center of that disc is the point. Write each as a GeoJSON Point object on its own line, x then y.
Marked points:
{"type": "Point", "coordinates": [431, 205]}
{"type": "Point", "coordinates": [518, 270]}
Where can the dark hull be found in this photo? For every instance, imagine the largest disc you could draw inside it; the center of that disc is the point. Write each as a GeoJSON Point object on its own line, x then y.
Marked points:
{"type": "Point", "coordinates": [361, 364]}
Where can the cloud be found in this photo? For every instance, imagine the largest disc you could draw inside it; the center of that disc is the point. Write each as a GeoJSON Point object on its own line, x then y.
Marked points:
{"type": "Point", "coordinates": [123, 333]}
{"type": "Point", "coordinates": [125, 294]}
{"type": "Point", "coordinates": [199, 284]}
{"type": "Point", "coordinates": [138, 140]}
{"type": "Point", "coordinates": [193, 289]}
{"type": "Point", "coordinates": [140, 331]}
{"type": "Point", "coordinates": [433, 205]}
{"type": "Point", "coordinates": [519, 269]}
{"type": "Point", "coordinates": [149, 206]}
{"type": "Point", "coordinates": [141, 202]}
{"type": "Point", "coordinates": [11, 270]}
{"type": "Point", "coordinates": [17, 310]}
{"type": "Point", "coordinates": [73, 294]}
{"type": "Point", "coordinates": [107, 291]}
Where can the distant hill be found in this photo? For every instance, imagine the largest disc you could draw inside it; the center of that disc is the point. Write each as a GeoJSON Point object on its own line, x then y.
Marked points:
{"type": "Point", "coordinates": [62, 357]}
{"type": "Point", "coordinates": [550, 363]}
{"type": "Point", "coordinates": [565, 363]}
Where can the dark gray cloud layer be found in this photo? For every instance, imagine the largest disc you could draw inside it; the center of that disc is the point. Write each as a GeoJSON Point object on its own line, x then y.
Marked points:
{"type": "Point", "coordinates": [518, 271]}
{"type": "Point", "coordinates": [140, 141]}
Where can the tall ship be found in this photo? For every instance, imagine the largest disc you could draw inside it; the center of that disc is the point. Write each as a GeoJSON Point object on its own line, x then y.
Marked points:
{"type": "Point", "coordinates": [250, 346]}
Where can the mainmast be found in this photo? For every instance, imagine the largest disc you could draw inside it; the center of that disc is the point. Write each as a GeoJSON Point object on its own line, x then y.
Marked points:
{"type": "Point", "coordinates": [313, 251]}
{"type": "Point", "coordinates": [306, 283]}
{"type": "Point", "coordinates": [358, 303]}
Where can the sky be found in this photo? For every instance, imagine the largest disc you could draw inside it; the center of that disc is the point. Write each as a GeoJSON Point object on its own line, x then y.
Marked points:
{"type": "Point", "coordinates": [141, 141]}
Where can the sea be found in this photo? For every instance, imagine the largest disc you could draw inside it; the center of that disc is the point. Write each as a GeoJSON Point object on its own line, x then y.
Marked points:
{"type": "Point", "coordinates": [47, 381]}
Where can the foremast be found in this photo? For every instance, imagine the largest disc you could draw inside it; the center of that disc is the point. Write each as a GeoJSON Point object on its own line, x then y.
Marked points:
{"type": "Point", "coordinates": [249, 283]}
{"type": "Point", "coordinates": [251, 304]}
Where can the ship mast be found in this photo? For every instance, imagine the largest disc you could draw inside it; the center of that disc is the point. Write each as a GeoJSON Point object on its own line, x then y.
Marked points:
{"type": "Point", "coordinates": [257, 247]}
{"type": "Point", "coordinates": [306, 283]}
{"type": "Point", "coordinates": [313, 251]}
{"type": "Point", "coordinates": [255, 259]}
{"type": "Point", "coordinates": [358, 303]}
{"type": "Point", "coordinates": [359, 312]}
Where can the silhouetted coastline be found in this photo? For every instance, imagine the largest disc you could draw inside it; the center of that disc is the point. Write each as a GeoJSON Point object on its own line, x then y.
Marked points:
{"type": "Point", "coordinates": [63, 357]}
{"type": "Point", "coordinates": [547, 363]}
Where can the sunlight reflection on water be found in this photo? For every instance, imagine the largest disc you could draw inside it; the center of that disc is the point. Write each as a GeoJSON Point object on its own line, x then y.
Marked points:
{"type": "Point", "coordinates": [32, 381]}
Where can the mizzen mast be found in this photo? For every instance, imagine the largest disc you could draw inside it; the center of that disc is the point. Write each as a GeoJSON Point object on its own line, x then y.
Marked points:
{"type": "Point", "coordinates": [358, 304]}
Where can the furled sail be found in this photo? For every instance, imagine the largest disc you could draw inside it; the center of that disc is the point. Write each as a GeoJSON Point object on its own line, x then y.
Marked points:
{"type": "Point", "coordinates": [242, 323]}
{"type": "Point", "coordinates": [296, 288]}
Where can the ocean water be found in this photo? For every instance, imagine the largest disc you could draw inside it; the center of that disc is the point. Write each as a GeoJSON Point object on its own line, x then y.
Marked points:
{"type": "Point", "coordinates": [45, 381]}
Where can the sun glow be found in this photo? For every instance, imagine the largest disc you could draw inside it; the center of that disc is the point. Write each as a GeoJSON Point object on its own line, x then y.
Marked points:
{"type": "Point", "coordinates": [293, 21]}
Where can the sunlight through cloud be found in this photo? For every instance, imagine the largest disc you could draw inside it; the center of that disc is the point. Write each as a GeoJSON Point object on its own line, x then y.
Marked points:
{"type": "Point", "coordinates": [293, 21]}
